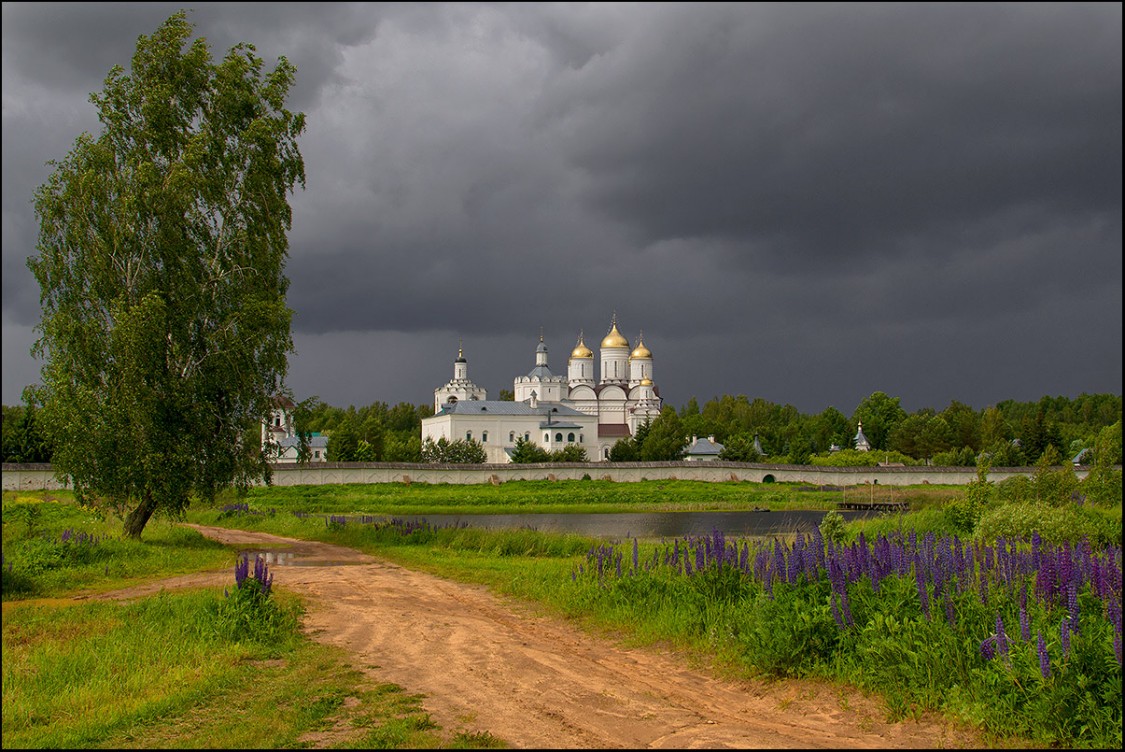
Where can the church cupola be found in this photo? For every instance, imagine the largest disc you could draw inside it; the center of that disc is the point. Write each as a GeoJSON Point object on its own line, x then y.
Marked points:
{"type": "Point", "coordinates": [615, 356]}
{"type": "Point", "coordinates": [640, 363]}
{"type": "Point", "coordinates": [541, 352]}
{"type": "Point", "coordinates": [546, 386]}
{"type": "Point", "coordinates": [459, 387]}
{"type": "Point", "coordinates": [580, 369]}
{"type": "Point", "coordinates": [460, 366]}
{"type": "Point", "coordinates": [861, 442]}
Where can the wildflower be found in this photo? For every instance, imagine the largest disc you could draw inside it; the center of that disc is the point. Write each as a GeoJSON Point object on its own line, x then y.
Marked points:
{"type": "Point", "coordinates": [920, 580]}
{"type": "Point", "coordinates": [1044, 659]}
{"type": "Point", "coordinates": [1001, 638]}
{"type": "Point", "coordinates": [1064, 634]}
{"type": "Point", "coordinates": [988, 647]}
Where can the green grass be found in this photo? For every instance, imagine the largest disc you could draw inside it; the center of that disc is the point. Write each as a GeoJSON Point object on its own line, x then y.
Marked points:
{"type": "Point", "coordinates": [161, 672]}
{"type": "Point", "coordinates": [44, 565]}
{"type": "Point", "coordinates": [574, 496]}
{"type": "Point", "coordinates": [306, 689]}
{"type": "Point", "coordinates": [181, 669]}
{"type": "Point", "coordinates": [914, 662]}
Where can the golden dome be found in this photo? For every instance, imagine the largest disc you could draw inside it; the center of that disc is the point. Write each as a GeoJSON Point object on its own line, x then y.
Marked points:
{"type": "Point", "coordinates": [614, 338]}
{"type": "Point", "coordinates": [580, 350]}
{"type": "Point", "coordinates": [641, 351]}
{"type": "Point", "coordinates": [646, 382]}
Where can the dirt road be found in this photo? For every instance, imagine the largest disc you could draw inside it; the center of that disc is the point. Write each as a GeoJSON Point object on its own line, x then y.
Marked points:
{"type": "Point", "coordinates": [487, 664]}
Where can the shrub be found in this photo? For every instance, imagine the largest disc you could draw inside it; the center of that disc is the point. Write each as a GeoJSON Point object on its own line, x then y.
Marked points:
{"type": "Point", "coordinates": [248, 612]}
{"type": "Point", "coordinates": [832, 527]}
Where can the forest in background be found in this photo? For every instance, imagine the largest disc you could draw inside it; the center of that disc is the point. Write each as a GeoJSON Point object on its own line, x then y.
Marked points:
{"type": "Point", "coordinates": [1007, 434]}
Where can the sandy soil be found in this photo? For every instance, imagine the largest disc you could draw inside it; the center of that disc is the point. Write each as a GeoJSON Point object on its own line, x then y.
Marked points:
{"type": "Point", "coordinates": [489, 664]}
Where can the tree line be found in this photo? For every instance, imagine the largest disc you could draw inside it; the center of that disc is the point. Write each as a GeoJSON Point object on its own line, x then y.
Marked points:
{"type": "Point", "coordinates": [1008, 434]}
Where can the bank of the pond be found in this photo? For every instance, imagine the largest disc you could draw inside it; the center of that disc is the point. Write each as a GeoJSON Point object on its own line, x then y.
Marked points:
{"type": "Point", "coordinates": [645, 524]}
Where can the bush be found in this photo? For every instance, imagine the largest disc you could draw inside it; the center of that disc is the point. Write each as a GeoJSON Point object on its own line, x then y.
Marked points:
{"type": "Point", "coordinates": [1055, 524]}
{"type": "Point", "coordinates": [832, 527]}
{"type": "Point", "coordinates": [248, 612]}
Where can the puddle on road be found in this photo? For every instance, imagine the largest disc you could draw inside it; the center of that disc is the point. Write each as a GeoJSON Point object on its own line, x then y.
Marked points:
{"type": "Point", "coordinates": [280, 558]}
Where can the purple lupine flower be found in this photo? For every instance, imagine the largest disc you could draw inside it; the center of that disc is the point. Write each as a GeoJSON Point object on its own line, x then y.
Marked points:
{"type": "Point", "coordinates": [949, 610]}
{"type": "Point", "coordinates": [1044, 659]}
{"type": "Point", "coordinates": [988, 648]}
{"type": "Point", "coordinates": [920, 581]}
{"type": "Point", "coordinates": [1025, 623]}
{"type": "Point", "coordinates": [836, 612]}
{"type": "Point", "coordinates": [1001, 638]}
{"type": "Point", "coordinates": [241, 570]}
{"type": "Point", "coordinates": [262, 575]}
{"type": "Point", "coordinates": [1072, 598]}
{"type": "Point", "coordinates": [635, 552]}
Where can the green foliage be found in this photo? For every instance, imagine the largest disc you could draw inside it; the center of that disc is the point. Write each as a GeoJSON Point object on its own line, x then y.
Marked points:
{"type": "Point", "coordinates": [963, 457]}
{"type": "Point", "coordinates": [162, 245]}
{"type": "Point", "coordinates": [458, 451]}
{"type": "Point", "coordinates": [528, 452]}
{"type": "Point", "coordinates": [740, 448]}
{"type": "Point", "coordinates": [624, 450]}
{"type": "Point", "coordinates": [879, 414]}
{"type": "Point", "coordinates": [832, 527]}
{"type": "Point", "coordinates": [1052, 483]}
{"type": "Point", "coordinates": [855, 458]}
{"type": "Point", "coordinates": [24, 437]}
{"type": "Point", "coordinates": [963, 514]}
{"type": "Point", "coordinates": [1055, 524]}
{"type": "Point", "coordinates": [1102, 484]}
{"type": "Point", "coordinates": [570, 453]}
{"type": "Point", "coordinates": [247, 612]}
{"type": "Point", "coordinates": [665, 439]}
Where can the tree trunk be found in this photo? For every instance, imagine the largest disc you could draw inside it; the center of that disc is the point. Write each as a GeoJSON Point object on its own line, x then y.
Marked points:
{"type": "Point", "coordinates": [138, 518]}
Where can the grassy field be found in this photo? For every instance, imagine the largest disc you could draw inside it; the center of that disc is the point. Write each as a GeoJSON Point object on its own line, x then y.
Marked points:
{"type": "Point", "coordinates": [83, 674]}
{"type": "Point", "coordinates": [577, 496]}
{"type": "Point", "coordinates": [168, 670]}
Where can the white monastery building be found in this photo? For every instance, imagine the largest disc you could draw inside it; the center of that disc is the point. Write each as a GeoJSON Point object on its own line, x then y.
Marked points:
{"type": "Point", "coordinates": [279, 437]}
{"type": "Point", "coordinates": [552, 410]}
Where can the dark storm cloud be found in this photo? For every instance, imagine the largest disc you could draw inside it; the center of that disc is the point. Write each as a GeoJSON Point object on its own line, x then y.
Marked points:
{"type": "Point", "coordinates": [802, 202]}
{"type": "Point", "coordinates": [831, 132]}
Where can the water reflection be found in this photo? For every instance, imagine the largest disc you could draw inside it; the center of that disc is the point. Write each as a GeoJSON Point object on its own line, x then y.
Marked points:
{"type": "Point", "coordinates": [272, 558]}
{"type": "Point", "coordinates": [644, 524]}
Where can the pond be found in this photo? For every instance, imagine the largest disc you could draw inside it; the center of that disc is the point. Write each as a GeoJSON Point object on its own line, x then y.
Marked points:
{"type": "Point", "coordinates": [646, 524]}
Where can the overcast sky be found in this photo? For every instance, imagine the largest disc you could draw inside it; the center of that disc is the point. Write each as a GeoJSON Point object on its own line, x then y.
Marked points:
{"type": "Point", "coordinates": [806, 203]}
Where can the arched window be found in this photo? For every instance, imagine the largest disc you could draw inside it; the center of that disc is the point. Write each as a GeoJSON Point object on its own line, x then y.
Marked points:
{"type": "Point", "coordinates": [546, 438]}
{"type": "Point", "coordinates": [558, 437]}
{"type": "Point", "coordinates": [484, 437]}
{"type": "Point", "coordinates": [581, 438]}
{"type": "Point", "coordinates": [512, 436]}
{"type": "Point", "coordinates": [605, 453]}
{"type": "Point", "coordinates": [570, 437]}
{"type": "Point", "coordinates": [527, 435]}
{"type": "Point", "coordinates": [468, 435]}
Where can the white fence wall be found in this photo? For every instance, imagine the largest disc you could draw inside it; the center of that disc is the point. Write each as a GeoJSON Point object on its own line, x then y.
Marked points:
{"type": "Point", "coordinates": [41, 477]}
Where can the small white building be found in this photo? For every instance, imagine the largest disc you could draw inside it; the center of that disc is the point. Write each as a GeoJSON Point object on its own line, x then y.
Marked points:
{"type": "Point", "coordinates": [279, 436]}
{"type": "Point", "coordinates": [703, 450]}
{"type": "Point", "coordinates": [861, 442]}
